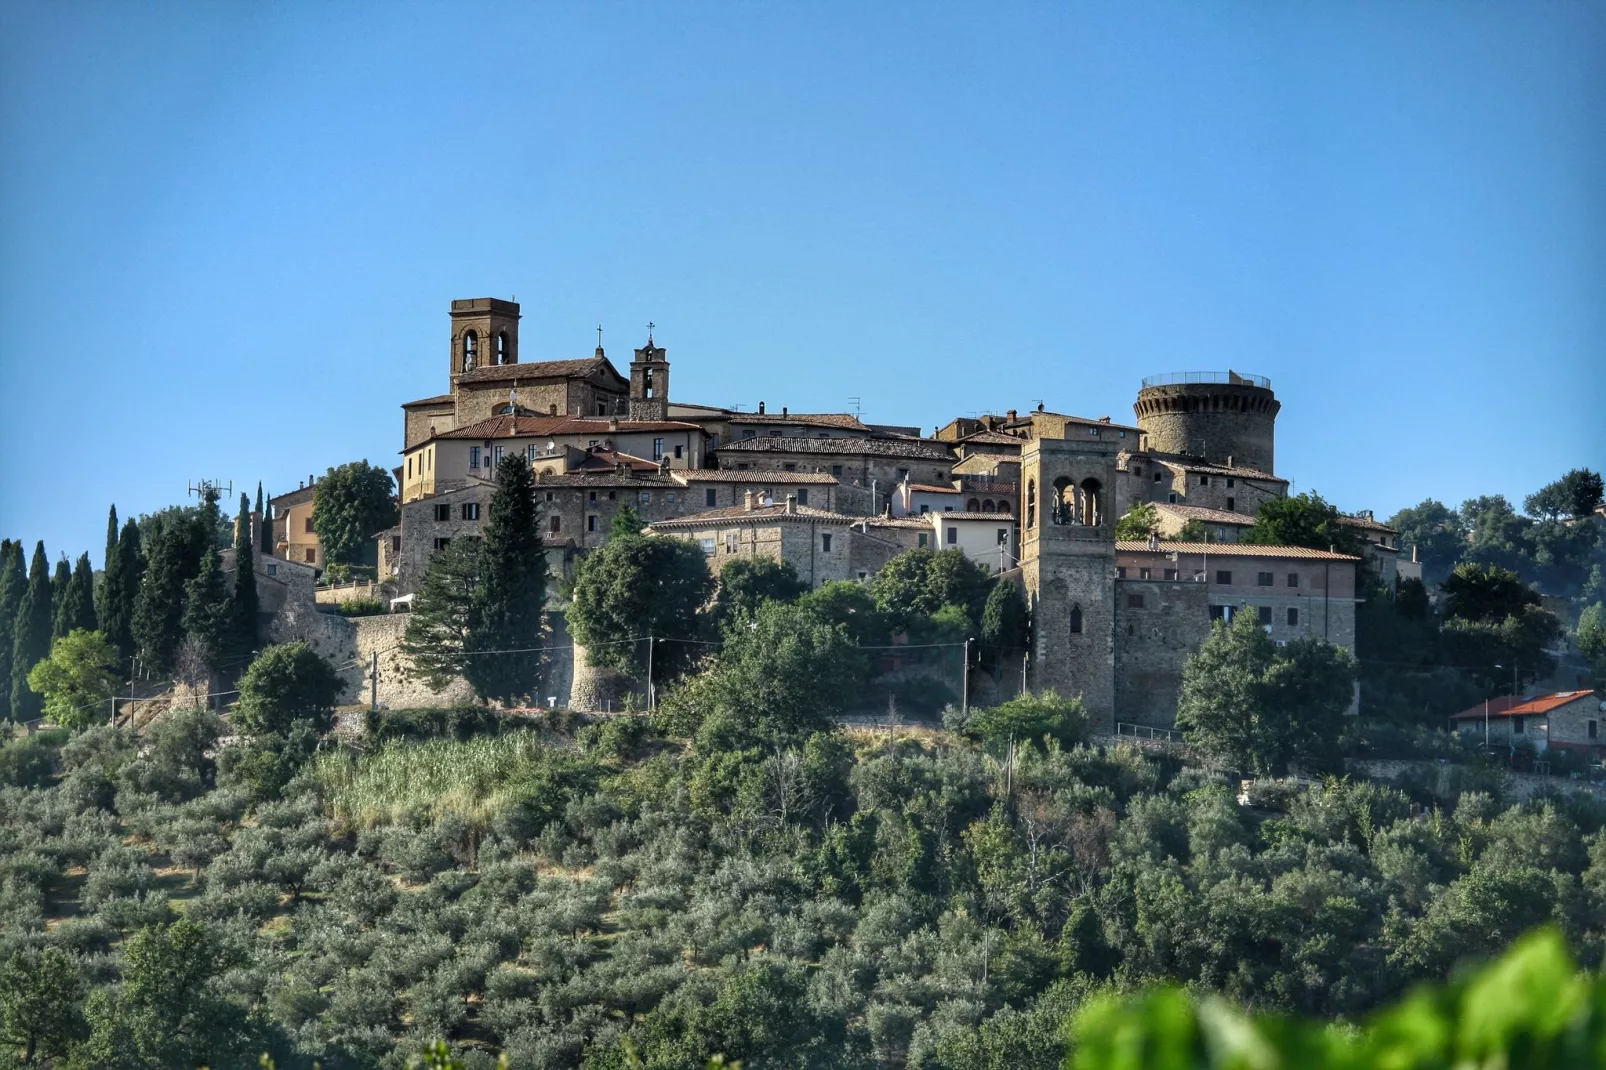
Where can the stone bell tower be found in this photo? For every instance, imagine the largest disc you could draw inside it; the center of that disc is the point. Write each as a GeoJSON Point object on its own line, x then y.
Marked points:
{"type": "Point", "coordinates": [1068, 568]}
{"type": "Point", "coordinates": [485, 333]}
{"type": "Point", "coordinates": [649, 383]}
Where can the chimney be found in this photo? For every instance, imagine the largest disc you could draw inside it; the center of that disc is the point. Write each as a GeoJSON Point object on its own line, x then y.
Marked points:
{"type": "Point", "coordinates": [312, 480]}
{"type": "Point", "coordinates": [761, 408]}
{"type": "Point", "coordinates": [1413, 554]}
{"type": "Point", "coordinates": [783, 410]}
{"type": "Point", "coordinates": [1010, 415]}
{"type": "Point", "coordinates": [613, 423]}
{"type": "Point", "coordinates": [1229, 461]}
{"type": "Point", "coordinates": [749, 501]}
{"type": "Point", "coordinates": [1104, 419]}
{"type": "Point", "coordinates": [791, 503]}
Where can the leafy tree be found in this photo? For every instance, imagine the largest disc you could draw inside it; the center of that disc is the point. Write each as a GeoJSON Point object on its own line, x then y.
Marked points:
{"type": "Point", "coordinates": [60, 580]}
{"type": "Point", "coordinates": [170, 1009]}
{"type": "Point", "coordinates": [243, 602]}
{"type": "Point", "coordinates": [286, 684]}
{"type": "Point", "coordinates": [1438, 532]}
{"type": "Point", "coordinates": [636, 586]}
{"type": "Point", "coordinates": [782, 674]}
{"type": "Point", "coordinates": [1486, 593]}
{"type": "Point", "coordinates": [748, 582]}
{"type": "Point", "coordinates": [1575, 494]}
{"type": "Point", "coordinates": [158, 622]}
{"type": "Point", "coordinates": [77, 608]}
{"type": "Point", "coordinates": [206, 616]}
{"type": "Point", "coordinates": [1140, 521]}
{"type": "Point", "coordinates": [915, 584]}
{"type": "Point", "coordinates": [438, 637]}
{"type": "Point", "coordinates": [350, 505]}
{"type": "Point", "coordinates": [13, 582]}
{"type": "Point", "coordinates": [77, 680]}
{"type": "Point", "coordinates": [1029, 718]}
{"type": "Point", "coordinates": [626, 522]}
{"type": "Point", "coordinates": [1590, 635]}
{"type": "Point", "coordinates": [1194, 531]}
{"type": "Point", "coordinates": [1496, 535]}
{"type": "Point", "coordinates": [1304, 520]}
{"type": "Point", "coordinates": [125, 573]}
{"type": "Point", "coordinates": [1005, 626]}
{"type": "Point", "coordinates": [30, 643]}
{"type": "Point", "coordinates": [1254, 705]}
{"type": "Point", "coordinates": [507, 611]}
{"type": "Point", "coordinates": [40, 996]}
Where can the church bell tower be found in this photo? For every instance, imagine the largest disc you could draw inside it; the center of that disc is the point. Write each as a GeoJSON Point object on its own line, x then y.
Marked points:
{"type": "Point", "coordinates": [649, 382]}
{"type": "Point", "coordinates": [485, 333]}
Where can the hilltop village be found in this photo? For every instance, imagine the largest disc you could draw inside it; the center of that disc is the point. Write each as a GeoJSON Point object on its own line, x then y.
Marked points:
{"type": "Point", "coordinates": [1032, 495]}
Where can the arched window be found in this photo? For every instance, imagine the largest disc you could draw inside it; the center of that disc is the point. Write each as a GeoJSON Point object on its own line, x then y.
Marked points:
{"type": "Point", "coordinates": [1076, 620]}
{"type": "Point", "coordinates": [1031, 503]}
{"type": "Point", "coordinates": [471, 350]}
{"type": "Point", "coordinates": [1003, 507]}
{"type": "Point", "coordinates": [973, 506]}
{"type": "Point", "coordinates": [646, 381]}
{"type": "Point", "coordinates": [504, 354]}
{"type": "Point", "coordinates": [1092, 502]}
{"type": "Point", "coordinates": [987, 506]}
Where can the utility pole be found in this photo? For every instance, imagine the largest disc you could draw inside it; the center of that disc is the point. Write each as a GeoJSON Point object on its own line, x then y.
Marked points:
{"type": "Point", "coordinates": [373, 681]}
{"type": "Point", "coordinates": [651, 698]}
{"type": "Point", "coordinates": [964, 681]}
{"type": "Point", "coordinates": [1023, 672]}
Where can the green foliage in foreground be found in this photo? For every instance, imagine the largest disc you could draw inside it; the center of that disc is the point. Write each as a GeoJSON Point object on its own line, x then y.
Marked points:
{"type": "Point", "coordinates": [1530, 1009]}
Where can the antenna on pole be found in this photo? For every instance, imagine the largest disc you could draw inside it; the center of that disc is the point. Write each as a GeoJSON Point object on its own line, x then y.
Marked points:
{"type": "Point", "coordinates": [858, 410]}
{"type": "Point", "coordinates": [201, 487]}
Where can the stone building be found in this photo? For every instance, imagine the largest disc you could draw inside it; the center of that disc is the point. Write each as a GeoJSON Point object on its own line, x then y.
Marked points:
{"type": "Point", "coordinates": [876, 465]}
{"type": "Point", "coordinates": [822, 546]}
{"type": "Point", "coordinates": [1220, 525]}
{"type": "Point", "coordinates": [293, 536]}
{"type": "Point", "coordinates": [1380, 545]}
{"type": "Point", "coordinates": [1563, 720]}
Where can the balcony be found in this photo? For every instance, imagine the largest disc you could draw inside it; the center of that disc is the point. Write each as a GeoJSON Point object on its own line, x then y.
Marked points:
{"type": "Point", "coordinates": [1222, 378]}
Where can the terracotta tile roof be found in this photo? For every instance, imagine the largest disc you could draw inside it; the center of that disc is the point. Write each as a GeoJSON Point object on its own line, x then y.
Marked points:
{"type": "Point", "coordinates": [933, 488]}
{"type": "Point", "coordinates": [1025, 419]}
{"type": "Point", "coordinates": [438, 399]}
{"type": "Point", "coordinates": [1366, 523]}
{"type": "Point", "coordinates": [990, 438]}
{"type": "Point", "coordinates": [294, 497]}
{"type": "Point", "coordinates": [915, 449]}
{"type": "Point", "coordinates": [1199, 464]}
{"type": "Point", "coordinates": [599, 459]}
{"type": "Point", "coordinates": [912, 523]}
{"type": "Point", "coordinates": [973, 516]}
{"type": "Point", "coordinates": [539, 369]}
{"type": "Point", "coordinates": [1199, 512]}
{"type": "Point", "coordinates": [739, 514]}
{"type": "Point", "coordinates": [755, 476]}
{"type": "Point", "coordinates": [1234, 549]}
{"type": "Point", "coordinates": [548, 426]}
{"type": "Point", "coordinates": [1507, 706]}
{"type": "Point", "coordinates": [609, 478]}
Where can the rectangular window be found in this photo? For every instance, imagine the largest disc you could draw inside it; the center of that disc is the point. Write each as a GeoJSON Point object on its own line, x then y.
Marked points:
{"type": "Point", "coordinates": [789, 466]}
{"type": "Point", "coordinates": [550, 496]}
{"type": "Point", "coordinates": [1231, 482]}
{"type": "Point", "coordinates": [410, 468]}
{"type": "Point", "coordinates": [1517, 725]}
{"type": "Point", "coordinates": [922, 542]}
{"type": "Point", "coordinates": [1172, 497]}
{"type": "Point", "coordinates": [613, 495]}
{"type": "Point", "coordinates": [1265, 614]}
{"type": "Point", "coordinates": [592, 496]}
{"type": "Point", "coordinates": [1223, 576]}
{"type": "Point", "coordinates": [529, 453]}
{"type": "Point", "coordinates": [730, 542]}
{"type": "Point", "coordinates": [310, 530]}
{"type": "Point", "coordinates": [602, 408]}
{"type": "Point", "coordinates": [1221, 613]}
{"type": "Point", "coordinates": [591, 522]}
{"type": "Point", "coordinates": [903, 474]}
{"type": "Point", "coordinates": [443, 513]}
{"type": "Point", "coordinates": [680, 451]}
{"type": "Point", "coordinates": [1293, 617]}
{"type": "Point", "coordinates": [836, 470]}
{"type": "Point", "coordinates": [1232, 505]}
{"type": "Point", "coordinates": [953, 536]}
{"type": "Point", "coordinates": [825, 543]}
{"type": "Point", "coordinates": [1594, 728]}
{"type": "Point", "coordinates": [924, 508]}
{"type": "Point", "coordinates": [1293, 579]}
{"type": "Point", "coordinates": [748, 432]}
{"type": "Point", "coordinates": [802, 495]}
{"type": "Point", "coordinates": [657, 449]}
{"type": "Point", "coordinates": [555, 523]}
{"type": "Point", "coordinates": [1170, 573]}
{"type": "Point", "coordinates": [646, 497]}
{"type": "Point", "coordinates": [273, 570]}
{"type": "Point", "coordinates": [1263, 579]}
{"type": "Point", "coordinates": [441, 544]}
{"type": "Point", "coordinates": [708, 547]}
{"type": "Point", "coordinates": [1120, 572]}
{"type": "Point", "coordinates": [500, 451]}
{"type": "Point", "coordinates": [711, 497]}
{"type": "Point", "coordinates": [1143, 573]}
{"type": "Point", "coordinates": [473, 456]}
{"type": "Point", "coordinates": [669, 496]}
{"type": "Point", "coordinates": [1003, 536]}
{"type": "Point", "coordinates": [395, 544]}
{"type": "Point", "coordinates": [741, 467]}
{"type": "Point", "coordinates": [1134, 601]}
{"type": "Point", "coordinates": [1204, 481]}
{"type": "Point", "coordinates": [1157, 477]}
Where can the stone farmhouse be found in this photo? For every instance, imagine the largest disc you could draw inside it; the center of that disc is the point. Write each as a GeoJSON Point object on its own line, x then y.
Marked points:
{"type": "Point", "coordinates": [1034, 496]}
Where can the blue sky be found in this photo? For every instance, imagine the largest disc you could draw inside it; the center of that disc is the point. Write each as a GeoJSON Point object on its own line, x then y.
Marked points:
{"type": "Point", "coordinates": [229, 233]}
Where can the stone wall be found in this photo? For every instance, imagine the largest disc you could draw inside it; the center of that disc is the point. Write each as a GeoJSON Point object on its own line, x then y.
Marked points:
{"type": "Point", "coordinates": [1158, 624]}
{"type": "Point", "coordinates": [351, 592]}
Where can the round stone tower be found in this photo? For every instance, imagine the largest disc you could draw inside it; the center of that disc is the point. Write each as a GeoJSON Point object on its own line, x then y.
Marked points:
{"type": "Point", "coordinates": [1219, 416]}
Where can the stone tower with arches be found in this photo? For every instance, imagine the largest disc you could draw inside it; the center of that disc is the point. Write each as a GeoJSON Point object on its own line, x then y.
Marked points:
{"type": "Point", "coordinates": [649, 383]}
{"type": "Point", "coordinates": [485, 333]}
{"type": "Point", "coordinates": [1068, 568]}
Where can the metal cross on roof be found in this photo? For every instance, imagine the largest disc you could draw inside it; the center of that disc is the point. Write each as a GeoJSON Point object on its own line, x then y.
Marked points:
{"type": "Point", "coordinates": [650, 326]}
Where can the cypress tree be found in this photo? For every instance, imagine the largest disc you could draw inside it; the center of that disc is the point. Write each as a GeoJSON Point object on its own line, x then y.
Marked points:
{"type": "Point", "coordinates": [206, 609]}
{"type": "Point", "coordinates": [59, 582]}
{"type": "Point", "coordinates": [243, 605]}
{"type": "Point", "coordinates": [79, 610]}
{"type": "Point", "coordinates": [12, 581]}
{"type": "Point", "coordinates": [266, 527]}
{"type": "Point", "coordinates": [508, 607]}
{"type": "Point", "coordinates": [106, 564]}
{"type": "Point", "coordinates": [158, 622]}
{"type": "Point", "coordinates": [124, 572]}
{"type": "Point", "coordinates": [30, 643]}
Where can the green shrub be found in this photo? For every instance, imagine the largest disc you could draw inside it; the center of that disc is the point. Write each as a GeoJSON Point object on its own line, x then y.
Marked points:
{"type": "Point", "coordinates": [455, 722]}
{"type": "Point", "coordinates": [362, 607]}
{"type": "Point", "coordinates": [26, 762]}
